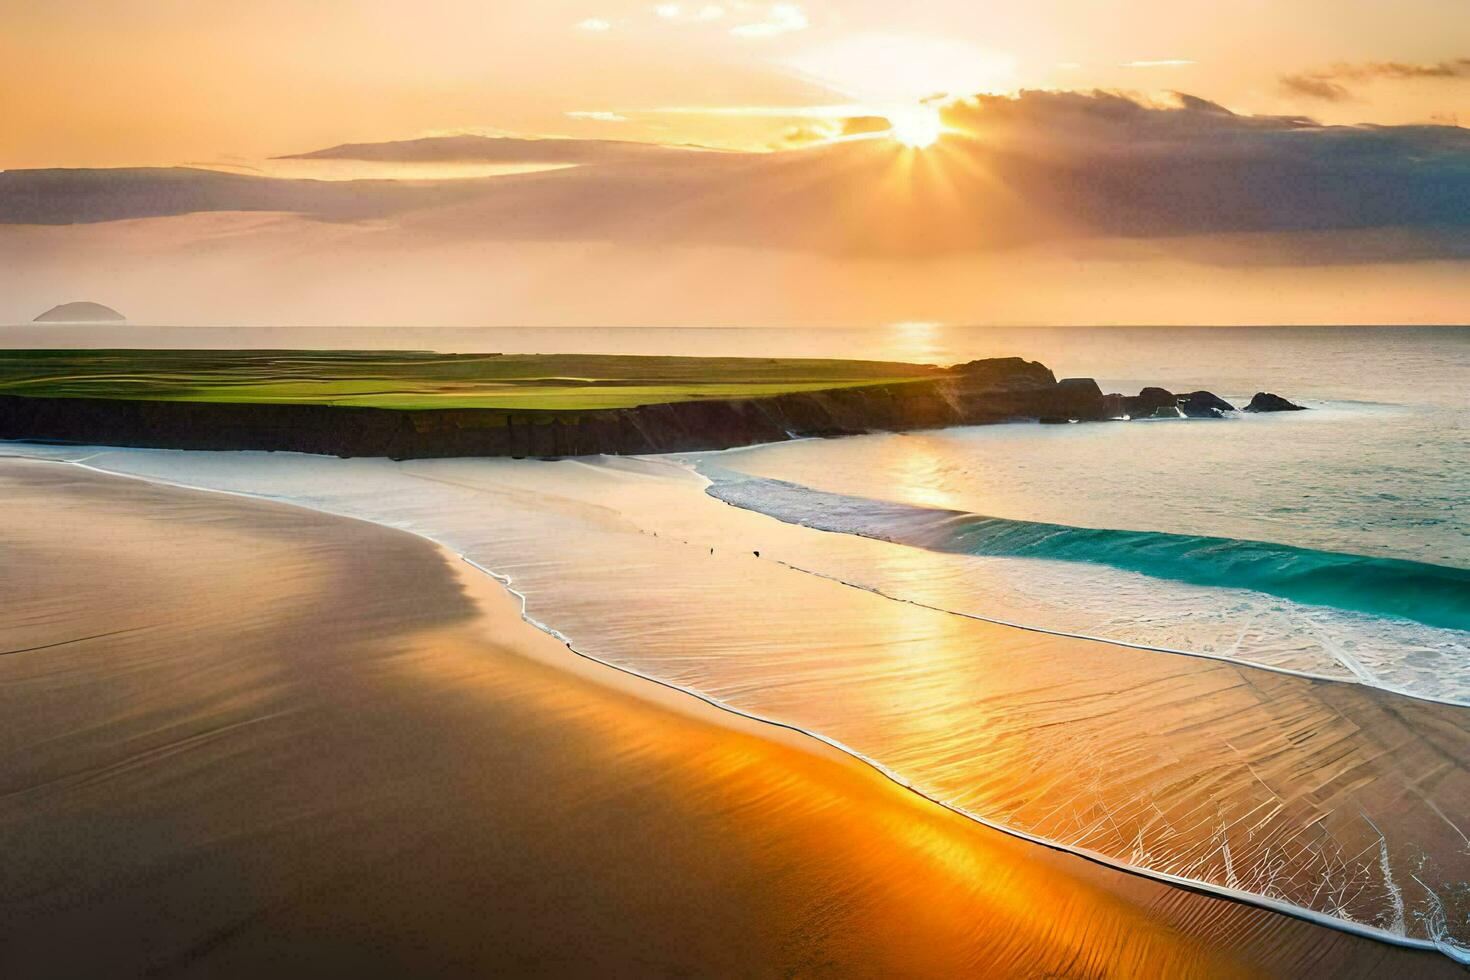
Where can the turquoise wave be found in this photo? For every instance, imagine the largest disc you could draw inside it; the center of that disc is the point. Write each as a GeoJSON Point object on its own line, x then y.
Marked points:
{"type": "Point", "coordinates": [1433, 595]}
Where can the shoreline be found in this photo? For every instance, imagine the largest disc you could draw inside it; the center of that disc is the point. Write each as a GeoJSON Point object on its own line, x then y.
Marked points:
{"type": "Point", "coordinates": [1244, 898]}
{"type": "Point", "coordinates": [690, 703]}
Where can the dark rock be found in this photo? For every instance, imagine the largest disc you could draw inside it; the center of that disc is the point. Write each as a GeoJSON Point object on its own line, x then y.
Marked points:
{"type": "Point", "coordinates": [1165, 412]}
{"type": "Point", "coordinates": [1207, 399]}
{"type": "Point", "coordinates": [1264, 401]}
{"type": "Point", "coordinates": [1078, 398]}
{"type": "Point", "coordinates": [1140, 406]}
{"type": "Point", "coordinates": [1005, 371]}
{"type": "Point", "coordinates": [1204, 405]}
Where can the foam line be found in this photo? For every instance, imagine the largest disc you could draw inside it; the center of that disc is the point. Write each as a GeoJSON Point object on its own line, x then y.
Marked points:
{"type": "Point", "coordinates": [1433, 595]}
{"type": "Point", "coordinates": [1361, 676]}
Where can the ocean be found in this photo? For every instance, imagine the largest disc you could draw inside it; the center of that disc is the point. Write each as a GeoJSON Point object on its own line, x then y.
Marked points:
{"type": "Point", "coordinates": [1334, 541]}
{"type": "Point", "coordinates": [1234, 653]}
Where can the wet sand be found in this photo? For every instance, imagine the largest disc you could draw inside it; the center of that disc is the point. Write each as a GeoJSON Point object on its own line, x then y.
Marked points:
{"type": "Point", "coordinates": [246, 739]}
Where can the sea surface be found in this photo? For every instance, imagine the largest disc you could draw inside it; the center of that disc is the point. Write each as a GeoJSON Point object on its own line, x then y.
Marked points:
{"type": "Point", "coordinates": [1229, 652]}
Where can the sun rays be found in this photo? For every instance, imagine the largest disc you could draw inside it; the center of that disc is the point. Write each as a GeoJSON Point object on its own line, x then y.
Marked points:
{"type": "Point", "coordinates": [917, 127]}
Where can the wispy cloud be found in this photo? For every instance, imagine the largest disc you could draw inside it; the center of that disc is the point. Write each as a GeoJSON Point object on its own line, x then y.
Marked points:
{"type": "Point", "coordinates": [1160, 63]}
{"type": "Point", "coordinates": [782, 18]}
{"type": "Point", "coordinates": [750, 19]}
{"type": "Point", "coordinates": [1450, 68]}
{"type": "Point", "coordinates": [692, 13]}
{"type": "Point", "coordinates": [599, 115]}
{"type": "Point", "coordinates": [1314, 87]}
{"type": "Point", "coordinates": [836, 130]}
{"type": "Point", "coordinates": [1327, 85]}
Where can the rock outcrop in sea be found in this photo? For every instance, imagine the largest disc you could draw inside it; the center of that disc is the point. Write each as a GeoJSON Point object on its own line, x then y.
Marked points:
{"type": "Point", "coordinates": [1265, 401]}
{"type": "Point", "coordinates": [1204, 405]}
{"type": "Point", "coordinates": [1160, 403]}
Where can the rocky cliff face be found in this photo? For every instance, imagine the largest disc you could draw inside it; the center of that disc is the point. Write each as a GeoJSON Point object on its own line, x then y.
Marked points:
{"type": "Point", "coordinates": [994, 390]}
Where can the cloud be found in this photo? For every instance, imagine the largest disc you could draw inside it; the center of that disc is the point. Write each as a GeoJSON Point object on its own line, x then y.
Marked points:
{"type": "Point", "coordinates": [827, 130]}
{"type": "Point", "coordinates": [496, 149]}
{"type": "Point", "coordinates": [1314, 87]}
{"type": "Point", "coordinates": [597, 115]}
{"type": "Point", "coordinates": [1117, 166]}
{"type": "Point", "coordinates": [1162, 63]}
{"type": "Point", "coordinates": [1326, 84]}
{"type": "Point", "coordinates": [1099, 120]}
{"type": "Point", "coordinates": [783, 18]}
{"type": "Point", "coordinates": [1039, 168]}
{"type": "Point", "coordinates": [690, 13]}
{"type": "Point", "coordinates": [1452, 68]}
{"type": "Point", "coordinates": [752, 20]}
{"type": "Point", "coordinates": [806, 134]}
{"type": "Point", "coordinates": [863, 125]}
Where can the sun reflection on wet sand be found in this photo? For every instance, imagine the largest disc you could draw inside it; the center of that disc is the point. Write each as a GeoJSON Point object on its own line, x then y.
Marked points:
{"type": "Point", "coordinates": [1227, 775]}
{"type": "Point", "coordinates": [393, 754]}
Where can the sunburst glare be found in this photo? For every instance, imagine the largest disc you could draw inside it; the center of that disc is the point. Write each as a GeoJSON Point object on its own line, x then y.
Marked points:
{"type": "Point", "coordinates": [916, 126]}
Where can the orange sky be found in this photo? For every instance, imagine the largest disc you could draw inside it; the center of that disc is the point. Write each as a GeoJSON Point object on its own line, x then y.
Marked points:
{"type": "Point", "coordinates": [89, 83]}
{"type": "Point", "coordinates": [1050, 203]}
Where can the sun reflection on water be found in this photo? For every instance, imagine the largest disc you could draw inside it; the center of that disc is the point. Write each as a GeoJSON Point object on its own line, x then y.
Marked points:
{"type": "Point", "coordinates": [915, 340]}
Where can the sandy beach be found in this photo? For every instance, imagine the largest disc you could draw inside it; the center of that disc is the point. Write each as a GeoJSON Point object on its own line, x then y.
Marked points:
{"type": "Point", "coordinates": [246, 739]}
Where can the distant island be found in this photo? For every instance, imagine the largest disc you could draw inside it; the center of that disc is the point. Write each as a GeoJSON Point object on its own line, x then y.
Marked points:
{"type": "Point", "coordinates": [83, 312]}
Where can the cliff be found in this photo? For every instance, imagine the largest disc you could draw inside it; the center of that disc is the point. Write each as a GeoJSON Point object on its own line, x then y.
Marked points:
{"type": "Point", "coordinates": [994, 390]}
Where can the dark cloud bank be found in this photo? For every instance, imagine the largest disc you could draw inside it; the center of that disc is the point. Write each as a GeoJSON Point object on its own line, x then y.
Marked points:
{"type": "Point", "coordinates": [1039, 167]}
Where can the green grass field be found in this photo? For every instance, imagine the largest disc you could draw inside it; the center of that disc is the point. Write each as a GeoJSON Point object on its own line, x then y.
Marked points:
{"type": "Point", "coordinates": [414, 380]}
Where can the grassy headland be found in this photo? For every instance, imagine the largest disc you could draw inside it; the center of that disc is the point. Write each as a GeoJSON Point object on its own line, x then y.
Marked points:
{"type": "Point", "coordinates": [413, 381]}
{"type": "Point", "coordinates": [416, 405]}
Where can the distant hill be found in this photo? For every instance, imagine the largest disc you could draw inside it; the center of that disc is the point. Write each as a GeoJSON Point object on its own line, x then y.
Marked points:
{"type": "Point", "coordinates": [82, 312]}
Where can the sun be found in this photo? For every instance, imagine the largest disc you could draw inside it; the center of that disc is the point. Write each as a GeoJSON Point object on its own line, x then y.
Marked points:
{"type": "Point", "coordinates": [915, 126]}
